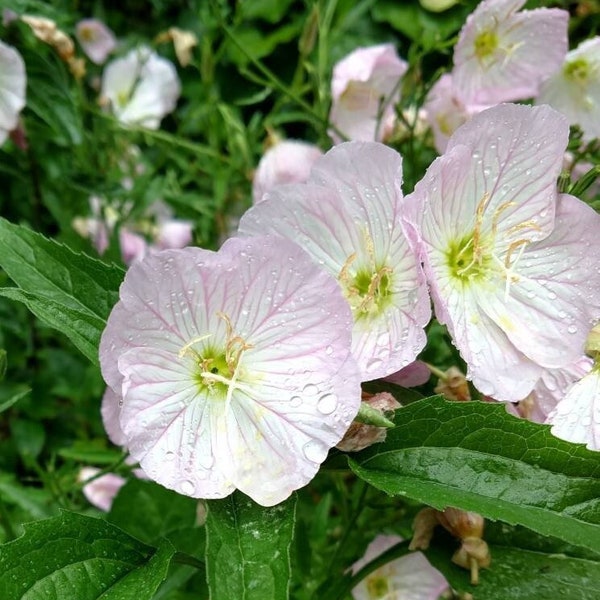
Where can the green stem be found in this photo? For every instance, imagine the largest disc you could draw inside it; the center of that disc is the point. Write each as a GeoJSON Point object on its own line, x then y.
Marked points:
{"type": "Point", "coordinates": [5, 521]}
{"type": "Point", "coordinates": [186, 559]}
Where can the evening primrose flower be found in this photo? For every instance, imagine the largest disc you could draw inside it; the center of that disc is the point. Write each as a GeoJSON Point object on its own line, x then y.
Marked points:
{"type": "Point", "coordinates": [141, 88]}
{"type": "Point", "coordinates": [102, 490]}
{"type": "Point", "coordinates": [446, 111]}
{"type": "Point", "coordinates": [409, 577]}
{"type": "Point", "coordinates": [288, 161]}
{"type": "Point", "coordinates": [503, 54]}
{"type": "Point", "coordinates": [230, 369]}
{"type": "Point", "coordinates": [574, 89]}
{"type": "Point", "coordinates": [511, 266]}
{"type": "Point", "coordinates": [13, 82]}
{"type": "Point", "coordinates": [364, 89]}
{"type": "Point", "coordinates": [96, 39]}
{"type": "Point", "coordinates": [347, 217]}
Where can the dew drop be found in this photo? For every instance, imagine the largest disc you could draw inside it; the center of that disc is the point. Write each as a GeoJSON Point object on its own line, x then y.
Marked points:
{"type": "Point", "coordinates": [169, 455]}
{"type": "Point", "coordinates": [329, 350]}
{"type": "Point", "coordinates": [314, 451]}
{"type": "Point", "coordinates": [187, 487]}
{"type": "Point", "coordinates": [295, 401]}
{"type": "Point", "coordinates": [310, 389]}
{"type": "Point", "coordinates": [383, 339]}
{"type": "Point", "coordinates": [572, 329]}
{"type": "Point", "coordinates": [327, 404]}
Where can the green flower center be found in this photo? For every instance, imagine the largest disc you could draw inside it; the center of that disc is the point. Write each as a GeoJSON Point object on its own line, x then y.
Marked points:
{"type": "Point", "coordinates": [577, 71]}
{"type": "Point", "coordinates": [377, 587]}
{"type": "Point", "coordinates": [217, 369]}
{"type": "Point", "coordinates": [466, 260]}
{"type": "Point", "coordinates": [368, 290]}
{"type": "Point", "coordinates": [486, 44]}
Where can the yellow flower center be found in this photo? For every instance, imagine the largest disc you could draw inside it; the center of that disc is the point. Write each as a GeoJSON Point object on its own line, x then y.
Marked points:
{"type": "Point", "coordinates": [577, 71]}
{"type": "Point", "coordinates": [486, 43]}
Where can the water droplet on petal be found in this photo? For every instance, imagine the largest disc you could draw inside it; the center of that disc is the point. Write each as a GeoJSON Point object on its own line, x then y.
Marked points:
{"type": "Point", "coordinates": [310, 389]}
{"type": "Point", "coordinates": [572, 329]}
{"type": "Point", "coordinates": [314, 451]}
{"type": "Point", "coordinates": [327, 404]}
{"type": "Point", "coordinates": [187, 487]}
{"type": "Point", "coordinates": [295, 401]}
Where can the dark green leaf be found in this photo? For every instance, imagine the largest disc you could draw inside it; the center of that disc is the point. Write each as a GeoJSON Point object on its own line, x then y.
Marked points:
{"type": "Point", "coordinates": [72, 556]}
{"type": "Point", "coordinates": [71, 292]}
{"type": "Point", "coordinates": [248, 548]}
{"type": "Point", "coordinates": [476, 457]}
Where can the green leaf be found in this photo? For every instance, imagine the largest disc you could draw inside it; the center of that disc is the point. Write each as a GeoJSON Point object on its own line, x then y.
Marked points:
{"type": "Point", "coordinates": [36, 502]}
{"type": "Point", "coordinates": [70, 292]}
{"type": "Point", "coordinates": [149, 511]}
{"type": "Point", "coordinates": [72, 556]}
{"type": "Point", "coordinates": [522, 574]}
{"type": "Point", "coordinates": [51, 98]}
{"type": "Point", "coordinates": [248, 548]}
{"type": "Point", "coordinates": [10, 395]}
{"type": "Point", "coordinates": [475, 456]}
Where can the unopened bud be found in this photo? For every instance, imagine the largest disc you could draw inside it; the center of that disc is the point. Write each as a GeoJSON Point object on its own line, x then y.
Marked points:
{"type": "Point", "coordinates": [453, 385]}
{"type": "Point", "coordinates": [371, 424]}
{"type": "Point", "coordinates": [46, 30]}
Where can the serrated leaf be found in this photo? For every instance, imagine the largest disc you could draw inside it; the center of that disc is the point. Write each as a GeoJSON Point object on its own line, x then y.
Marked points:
{"type": "Point", "coordinates": [475, 456]}
{"type": "Point", "coordinates": [248, 549]}
{"type": "Point", "coordinates": [72, 556]}
{"type": "Point", "coordinates": [70, 292]}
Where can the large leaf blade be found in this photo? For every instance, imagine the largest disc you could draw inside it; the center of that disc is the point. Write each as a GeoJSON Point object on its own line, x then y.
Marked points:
{"type": "Point", "coordinates": [72, 556]}
{"type": "Point", "coordinates": [476, 457]}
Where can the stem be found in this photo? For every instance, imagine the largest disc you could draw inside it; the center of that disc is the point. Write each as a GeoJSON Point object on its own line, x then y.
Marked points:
{"type": "Point", "coordinates": [5, 521]}
{"type": "Point", "coordinates": [186, 559]}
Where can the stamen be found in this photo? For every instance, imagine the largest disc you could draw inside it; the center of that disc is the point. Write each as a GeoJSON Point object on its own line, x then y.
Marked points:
{"type": "Point", "coordinates": [188, 346]}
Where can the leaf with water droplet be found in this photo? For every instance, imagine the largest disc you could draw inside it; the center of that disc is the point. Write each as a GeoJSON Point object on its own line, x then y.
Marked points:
{"type": "Point", "coordinates": [257, 540]}
{"type": "Point", "coordinates": [73, 556]}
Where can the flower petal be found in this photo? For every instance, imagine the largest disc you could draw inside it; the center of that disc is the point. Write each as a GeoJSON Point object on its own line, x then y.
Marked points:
{"type": "Point", "coordinates": [347, 218]}
{"type": "Point", "coordinates": [576, 418]}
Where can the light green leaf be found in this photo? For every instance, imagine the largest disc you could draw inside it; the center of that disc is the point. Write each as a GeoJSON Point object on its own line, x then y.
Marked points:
{"type": "Point", "coordinates": [70, 292]}
{"type": "Point", "coordinates": [72, 556]}
{"type": "Point", "coordinates": [475, 456]}
{"type": "Point", "coordinates": [248, 549]}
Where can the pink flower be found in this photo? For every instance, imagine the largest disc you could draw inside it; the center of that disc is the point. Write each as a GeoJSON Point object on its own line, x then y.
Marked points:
{"type": "Point", "coordinates": [504, 55]}
{"type": "Point", "coordinates": [101, 491]}
{"type": "Point", "coordinates": [141, 88]}
{"type": "Point", "coordinates": [13, 82]}
{"type": "Point", "coordinates": [347, 217]}
{"type": "Point", "coordinates": [96, 39]}
{"type": "Point", "coordinates": [576, 417]}
{"type": "Point", "coordinates": [364, 90]}
{"type": "Point", "coordinates": [409, 577]}
{"type": "Point", "coordinates": [230, 369]}
{"type": "Point", "coordinates": [574, 89]}
{"type": "Point", "coordinates": [414, 374]}
{"type": "Point", "coordinates": [511, 266]}
{"type": "Point", "coordinates": [288, 161]}
{"type": "Point", "coordinates": [446, 112]}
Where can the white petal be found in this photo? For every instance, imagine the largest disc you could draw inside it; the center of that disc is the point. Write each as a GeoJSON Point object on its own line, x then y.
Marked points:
{"type": "Point", "coordinates": [577, 417]}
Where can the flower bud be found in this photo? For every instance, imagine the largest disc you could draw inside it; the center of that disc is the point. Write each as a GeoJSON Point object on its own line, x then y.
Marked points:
{"type": "Point", "coordinates": [453, 385]}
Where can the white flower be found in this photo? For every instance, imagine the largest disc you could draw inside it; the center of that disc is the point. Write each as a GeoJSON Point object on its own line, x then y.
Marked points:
{"type": "Point", "coordinates": [12, 89]}
{"type": "Point", "coordinates": [141, 87]}
{"type": "Point", "coordinates": [575, 89]}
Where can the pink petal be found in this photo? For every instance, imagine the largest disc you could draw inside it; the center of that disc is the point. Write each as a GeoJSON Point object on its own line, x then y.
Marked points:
{"type": "Point", "coordinates": [288, 161]}
{"type": "Point", "coordinates": [556, 297]}
{"type": "Point", "coordinates": [101, 491]}
{"type": "Point", "coordinates": [527, 48]}
{"type": "Point", "coordinates": [96, 39]}
{"type": "Point", "coordinates": [349, 207]}
{"type": "Point", "coordinates": [577, 417]}
{"type": "Point", "coordinates": [409, 577]}
{"type": "Point", "coordinates": [296, 390]}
